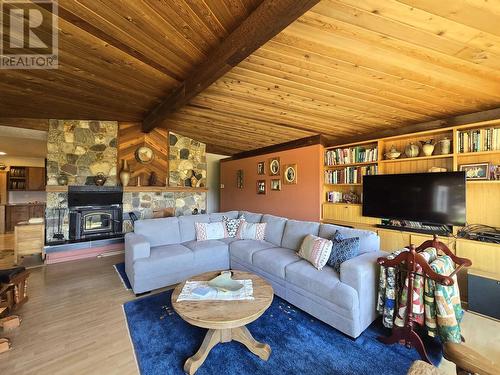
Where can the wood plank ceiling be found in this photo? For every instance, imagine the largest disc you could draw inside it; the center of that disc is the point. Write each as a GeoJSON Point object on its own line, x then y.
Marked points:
{"type": "Point", "coordinates": [345, 68]}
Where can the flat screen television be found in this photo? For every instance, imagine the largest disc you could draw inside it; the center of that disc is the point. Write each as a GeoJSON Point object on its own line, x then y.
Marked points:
{"type": "Point", "coordinates": [437, 198]}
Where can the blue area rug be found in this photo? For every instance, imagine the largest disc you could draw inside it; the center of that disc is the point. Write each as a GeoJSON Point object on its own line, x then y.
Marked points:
{"type": "Point", "coordinates": [300, 344]}
{"type": "Point", "coordinates": [120, 269]}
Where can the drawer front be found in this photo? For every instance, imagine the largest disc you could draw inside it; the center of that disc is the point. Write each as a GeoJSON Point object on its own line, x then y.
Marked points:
{"type": "Point", "coordinates": [347, 213]}
{"type": "Point", "coordinates": [484, 296]}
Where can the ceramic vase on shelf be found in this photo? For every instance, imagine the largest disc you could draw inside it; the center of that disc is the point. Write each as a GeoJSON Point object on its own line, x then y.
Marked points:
{"type": "Point", "coordinates": [125, 173]}
{"type": "Point", "coordinates": [412, 150]}
{"type": "Point", "coordinates": [445, 144]}
{"type": "Point", "coordinates": [428, 147]}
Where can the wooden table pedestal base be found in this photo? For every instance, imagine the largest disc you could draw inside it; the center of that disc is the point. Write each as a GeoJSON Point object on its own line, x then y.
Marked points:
{"type": "Point", "coordinates": [216, 336]}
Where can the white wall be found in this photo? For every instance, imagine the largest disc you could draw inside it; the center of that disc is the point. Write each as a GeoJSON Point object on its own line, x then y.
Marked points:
{"type": "Point", "coordinates": [213, 181]}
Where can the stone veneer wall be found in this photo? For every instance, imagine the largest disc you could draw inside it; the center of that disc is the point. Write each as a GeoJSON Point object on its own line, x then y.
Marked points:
{"type": "Point", "coordinates": [81, 150]}
{"type": "Point", "coordinates": [186, 155]}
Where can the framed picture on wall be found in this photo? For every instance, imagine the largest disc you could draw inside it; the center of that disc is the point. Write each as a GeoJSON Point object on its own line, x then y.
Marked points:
{"type": "Point", "coordinates": [261, 186]}
{"type": "Point", "coordinates": [274, 166]}
{"type": "Point", "coordinates": [290, 174]}
{"type": "Point", "coordinates": [239, 178]}
{"type": "Point", "coordinates": [261, 168]}
{"type": "Point", "coordinates": [276, 184]}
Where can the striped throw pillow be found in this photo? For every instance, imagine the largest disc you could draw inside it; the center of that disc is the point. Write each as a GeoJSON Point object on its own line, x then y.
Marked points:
{"type": "Point", "coordinates": [315, 250]}
{"type": "Point", "coordinates": [251, 231]}
{"type": "Point", "coordinates": [210, 231]}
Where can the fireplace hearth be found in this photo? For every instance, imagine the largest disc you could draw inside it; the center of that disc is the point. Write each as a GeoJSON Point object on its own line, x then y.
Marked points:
{"type": "Point", "coordinates": [95, 212]}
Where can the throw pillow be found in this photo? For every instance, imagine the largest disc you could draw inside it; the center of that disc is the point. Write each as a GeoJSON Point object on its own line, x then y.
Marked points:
{"type": "Point", "coordinates": [343, 249]}
{"type": "Point", "coordinates": [210, 231]}
{"type": "Point", "coordinates": [315, 250]}
{"type": "Point", "coordinates": [232, 225]}
{"type": "Point", "coordinates": [251, 231]}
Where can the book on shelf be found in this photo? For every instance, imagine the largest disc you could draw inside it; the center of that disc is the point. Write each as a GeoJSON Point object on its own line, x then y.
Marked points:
{"type": "Point", "coordinates": [351, 155]}
{"type": "Point", "coordinates": [349, 175]}
{"type": "Point", "coordinates": [477, 140]}
{"type": "Point", "coordinates": [334, 196]}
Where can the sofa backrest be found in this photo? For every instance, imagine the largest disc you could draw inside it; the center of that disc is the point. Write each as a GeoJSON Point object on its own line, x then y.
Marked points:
{"type": "Point", "coordinates": [217, 216]}
{"type": "Point", "coordinates": [186, 226]}
{"type": "Point", "coordinates": [274, 228]}
{"type": "Point", "coordinates": [164, 231]}
{"type": "Point", "coordinates": [295, 231]}
{"type": "Point", "coordinates": [368, 240]}
{"type": "Point", "coordinates": [251, 217]}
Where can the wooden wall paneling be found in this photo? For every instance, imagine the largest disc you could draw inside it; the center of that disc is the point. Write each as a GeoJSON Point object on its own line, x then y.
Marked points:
{"type": "Point", "coordinates": [130, 137]}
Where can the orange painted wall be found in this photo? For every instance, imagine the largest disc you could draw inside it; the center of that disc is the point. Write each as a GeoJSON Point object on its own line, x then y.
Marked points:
{"type": "Point", "coordinates": [301, 201]}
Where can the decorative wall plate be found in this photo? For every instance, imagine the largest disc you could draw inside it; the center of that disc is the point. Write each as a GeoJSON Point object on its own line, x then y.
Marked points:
{"type": "Point", "coordinates": [290, 174]}
{"type": "Point", "coordinates": [144, 155]}
{"type": "Point", "coordinates": [274, 166]}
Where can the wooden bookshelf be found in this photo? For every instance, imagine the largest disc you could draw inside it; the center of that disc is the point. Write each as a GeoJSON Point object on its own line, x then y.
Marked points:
{"type": "Point", "coordinates": [483, 202]}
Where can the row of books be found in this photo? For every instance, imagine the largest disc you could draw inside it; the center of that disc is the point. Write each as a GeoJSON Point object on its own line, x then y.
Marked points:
{"type": "Point", "coordinates": [334, 196]}
{"type": "Point", "coordinates": [349, 175]}
{"type": "Point", "coordinates": [351, 155]}
{"type": "Point", "coordinates": [479, 140]}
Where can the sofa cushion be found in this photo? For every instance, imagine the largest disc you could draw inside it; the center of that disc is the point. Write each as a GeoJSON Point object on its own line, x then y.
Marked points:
{"type": "Point", "coordinates": [232, 225]}
{"type": "Point", "coordinates": [244, 249]}
{"type": "Point", "coordinates": [218, 216]}
{"type": "Point", "coordinates": [368, 240]}
{"type": "Point", "coordinates": [186, 226]}
{"type": "Point", "coordinates": [228, 240]}
{"type": "Point", "coordinates": [274, 260]}
{"type": "Point", "coordinates": [325, 283]}
{"type": "Point", "coordinates": [343, 249]}
{"type": "Point", "coordinates": [250, 216]}
{"type": "Point", "coordinates": [164, 259]}
{"type": "Point", "coordinates": [251, 231]}
{"type": "Point", "coordinates": [208, 251]}
{"type": "Point", "coordinates": [315, 250]}
{"type": "Point", "coordinates": [164, 231]}
{"type": "Point", "coordinates": [295, 232]}
{"type": "Point", "coordinates": [210, 231]}
{"type": "Point", "coordinates": [275, 228]}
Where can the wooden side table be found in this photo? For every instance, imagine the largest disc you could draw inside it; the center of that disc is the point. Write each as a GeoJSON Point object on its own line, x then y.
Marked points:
{"type": "Point", "coordinates": [28, 239]}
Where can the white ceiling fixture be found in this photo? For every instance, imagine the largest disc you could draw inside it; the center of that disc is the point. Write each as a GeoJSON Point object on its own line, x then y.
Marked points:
{"type": "Point", "coordinates": [3, 153]}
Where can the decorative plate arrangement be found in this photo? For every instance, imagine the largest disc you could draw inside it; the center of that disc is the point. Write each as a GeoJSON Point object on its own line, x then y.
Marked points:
{"type": "Point", "coordinates": [290, 175]}
{"type": "Point", "coordinates": [144, 155]}
{"type": "Point", "coordinates": [225, 283]}
{"type": "Point", "coordinates": [274, 166]}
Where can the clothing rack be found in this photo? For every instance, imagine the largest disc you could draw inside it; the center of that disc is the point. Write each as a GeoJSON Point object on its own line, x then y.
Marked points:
{"type": "Point", "coordinates": [407, 262]}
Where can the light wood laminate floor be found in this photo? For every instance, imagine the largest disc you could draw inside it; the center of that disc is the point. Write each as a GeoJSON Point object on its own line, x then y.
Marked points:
{"type": "Point", "coordinates": [74, 324]}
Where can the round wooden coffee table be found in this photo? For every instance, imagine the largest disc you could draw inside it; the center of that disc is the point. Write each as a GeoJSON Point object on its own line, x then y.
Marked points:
{"type": "Point", "coordinates": [225, 320]}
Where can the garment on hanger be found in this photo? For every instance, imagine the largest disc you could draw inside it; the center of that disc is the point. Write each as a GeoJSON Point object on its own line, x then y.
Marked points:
{"type": "Point", "coordinates": [443, 309]}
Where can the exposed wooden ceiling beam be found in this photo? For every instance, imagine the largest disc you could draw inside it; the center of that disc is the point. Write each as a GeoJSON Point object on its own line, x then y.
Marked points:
{"type": "Point", "coordinates": [492, 114]}
{"type": "Point", "coordinates": [25, 123]}
{"type": "Point", "coordinates": [266, 21]}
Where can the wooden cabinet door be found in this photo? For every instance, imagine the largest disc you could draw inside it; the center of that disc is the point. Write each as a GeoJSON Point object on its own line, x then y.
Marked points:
{"type": "Point", "coordinates": [37, 211]}
{"type": "Point", "coordinates": [392, 240]}
{"type": "Point", "coordinates": [36, 179]}
{"type": "Point", "coordinates": [3, 187]}
{"type": "Point", "coordinates": [15, 214]}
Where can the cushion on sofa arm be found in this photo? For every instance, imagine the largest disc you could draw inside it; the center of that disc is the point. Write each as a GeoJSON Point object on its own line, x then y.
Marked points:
{"type": "Point", "coordinates": [186, 226]}
{"type": "Point", "coordinates": [274, 229]}
{"type": "Point", "coordinates": [361, 273]}
{"type": "Point", "coordinates": [368, 240]}
{"type": "Point", "coordinates": [295, 232]}
{"type": "Point", "coordinates": [136, 246]}
{"type": "Point", "coordinates": [217, 216]}
{"type": "Point", "coordinates": [251, 217]}
{"type": "Point", "coordinates": [164, 231]}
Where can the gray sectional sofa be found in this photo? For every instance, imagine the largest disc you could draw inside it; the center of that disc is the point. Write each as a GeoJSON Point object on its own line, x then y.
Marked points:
{"type": "Point", "coordinates": [163, 252]}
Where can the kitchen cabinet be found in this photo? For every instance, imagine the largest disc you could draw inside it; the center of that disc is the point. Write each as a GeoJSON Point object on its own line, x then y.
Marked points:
{"type": "Point", "coordinates": [22, 212]}
{"type": "Point", "coordinates": [26, 179]}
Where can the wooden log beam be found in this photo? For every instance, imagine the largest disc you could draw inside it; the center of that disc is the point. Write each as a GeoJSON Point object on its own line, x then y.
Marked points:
{"type": "Point", "coordinates": [25, 123]}
{"type": "Point", "coordinates": [266, 21]}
